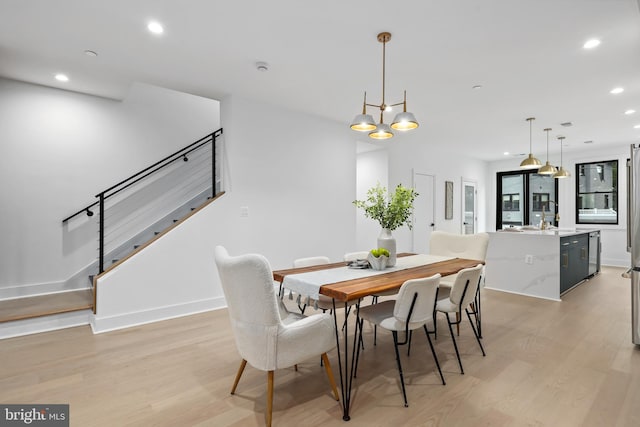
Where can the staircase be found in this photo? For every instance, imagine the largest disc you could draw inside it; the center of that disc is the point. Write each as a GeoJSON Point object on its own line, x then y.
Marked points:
{"type": "Point", "coordinates": [28, 315]}
{"type": "Point", "coordinates": [189, 178]}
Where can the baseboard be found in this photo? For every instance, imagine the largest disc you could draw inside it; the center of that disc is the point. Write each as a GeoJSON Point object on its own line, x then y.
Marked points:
{"type": "Point", "coordinates": [520, 293]}
{"type": "Point", "coordinates": [44, 324]}
{"type": "Point", "coordinates": [112, 323]}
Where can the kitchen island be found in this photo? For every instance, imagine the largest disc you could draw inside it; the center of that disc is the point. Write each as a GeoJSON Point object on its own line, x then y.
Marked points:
{"type": "Point", "coordinates": [541, 263]}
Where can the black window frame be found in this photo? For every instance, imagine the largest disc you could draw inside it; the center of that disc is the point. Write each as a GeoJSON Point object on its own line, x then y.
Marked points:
{"type": "Point", "coordinates": [524, 203]}
{"type": "Point", "coordinates": [580, 173]}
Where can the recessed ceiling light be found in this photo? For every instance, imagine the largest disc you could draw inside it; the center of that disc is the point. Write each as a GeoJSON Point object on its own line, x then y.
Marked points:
{"type": "Point", "coordinates": [262, 66]}
{"type": "Point", "coordinates": [155, 27]}
{"type": "Point", "coordinates": [617, 90]}
{"type": "Point", "coordinates": [636, 127]}
{"type": "Point", "coordinates": [566, 124]}
{"type": "Point", "coordinates": [506, 153]}
{"type": "Point", "coordinates": [90, 52]}
{"type": "Point", "coordinates": [628, 112]}
{"type": "Point", "coordinates": [476, 87]}
{"type": "Point", "coordinates": [590, 44]}
{"type": "Point", "coordinates": [588, 142]}
{"type": "Point", "coordinates": [62, 78]}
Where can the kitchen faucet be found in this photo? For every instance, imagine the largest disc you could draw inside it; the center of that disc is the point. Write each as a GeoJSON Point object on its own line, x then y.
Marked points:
{"type": "Point", "coordinates": [543, 223]}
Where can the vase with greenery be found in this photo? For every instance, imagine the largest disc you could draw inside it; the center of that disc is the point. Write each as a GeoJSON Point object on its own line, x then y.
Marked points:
{"type": "Point", "coordinates": [391, 211]}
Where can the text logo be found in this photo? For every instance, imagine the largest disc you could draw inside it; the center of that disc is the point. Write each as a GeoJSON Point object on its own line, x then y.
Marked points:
{"type": "Point", "coordinates": [34, 415]}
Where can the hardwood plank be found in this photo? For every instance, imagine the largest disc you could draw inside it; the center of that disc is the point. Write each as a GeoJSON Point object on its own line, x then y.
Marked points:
{"type": "Point", "coordinates": [44, 305]}
{"type": "Point", "coordinates": [568, 363]}
{"type": "Point", "coordinates": [351, 290]}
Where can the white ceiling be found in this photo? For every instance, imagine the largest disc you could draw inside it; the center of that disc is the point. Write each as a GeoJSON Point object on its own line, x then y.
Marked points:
{"type": "Point", "coordinates": [527, 55]}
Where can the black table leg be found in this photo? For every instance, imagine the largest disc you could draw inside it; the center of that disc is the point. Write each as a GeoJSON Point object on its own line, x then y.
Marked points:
{"type": "Point", "coordinates": [345, 367]}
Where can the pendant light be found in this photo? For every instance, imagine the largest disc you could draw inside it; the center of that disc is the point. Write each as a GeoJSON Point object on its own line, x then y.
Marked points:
{"type": "Point", "coordinates": [530, 162]}
{"type": "Point", "coordinates": [562, 172]}
{"type": "Point", "coordinates": [547, 169]}
{"type": "Point", "coordinates": [363, 122]}
{"type": "Point", "coordinates": [403, 121]}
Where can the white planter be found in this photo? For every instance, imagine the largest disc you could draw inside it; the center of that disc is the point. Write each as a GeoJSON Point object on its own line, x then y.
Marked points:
{"type": "Point", "coordinates": [387, 241]}
{"type": "Point", "coordinates": [379, 263]}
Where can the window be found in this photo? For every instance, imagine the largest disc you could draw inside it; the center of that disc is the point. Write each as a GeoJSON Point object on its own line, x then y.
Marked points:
{"type": "Point", "coordinates": [540, 201]}
{"type": "Point", "coordinates": [597, 192]}
{"type": "Point", "coordinates": [511, 202]}
{"type": "Point", "coordinates": [521, 197]}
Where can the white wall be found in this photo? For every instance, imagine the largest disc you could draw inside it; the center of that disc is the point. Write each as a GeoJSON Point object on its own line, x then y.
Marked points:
{"type": "Point", "coordinates": [60, 149]}
{"type": "Point", "coordinates": [298, 186]}
{"type": "Point", "coordinates": [372, 168]}
{"type": "Point", "coordinates": [613, 237]}
{"type": "Point", "coordinates": [414, 152]}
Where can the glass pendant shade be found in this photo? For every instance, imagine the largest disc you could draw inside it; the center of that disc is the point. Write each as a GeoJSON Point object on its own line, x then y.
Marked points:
{"type": "Point", "coordinates": [382, 132]}
{"type": "Point", "coordinates": [530, 162]}
{"type": "Point", "coordinates": [404, 121]}
{"type": "Point", "coordinates": [363, 123]}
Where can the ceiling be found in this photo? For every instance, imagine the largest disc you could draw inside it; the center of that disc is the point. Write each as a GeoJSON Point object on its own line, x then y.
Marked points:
{"type": "Point", "coordinates": [527, 55]}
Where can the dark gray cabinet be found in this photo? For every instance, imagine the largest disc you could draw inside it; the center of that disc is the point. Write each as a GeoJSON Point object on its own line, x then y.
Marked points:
{"type": "Point", "coordinates": [574, 260]}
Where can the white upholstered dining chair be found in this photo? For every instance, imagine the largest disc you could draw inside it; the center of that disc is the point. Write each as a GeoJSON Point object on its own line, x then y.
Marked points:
{"type": "Point", "coordinates": [413, 309]}
{"type": "Point", "coordinates": [461, 296]}
{"type": "Point", "coordinates": [469, 246]}
{"type": "Point", "coordinates": [265, 339]}
{"type": "Point", "coordinates": [354, 256]}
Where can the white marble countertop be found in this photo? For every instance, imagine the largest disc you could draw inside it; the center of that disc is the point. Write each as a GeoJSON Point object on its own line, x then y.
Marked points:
{"type": "Point", "coordinates": [560, 232]}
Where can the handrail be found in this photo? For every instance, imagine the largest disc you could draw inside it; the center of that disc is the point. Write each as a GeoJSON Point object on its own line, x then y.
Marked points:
{"type": "Point", "coordinates": [144, 173]}
{"type": "Point", "coordinates": [178, 154]}
{"type": "Point", "coordinates": [85, 209]}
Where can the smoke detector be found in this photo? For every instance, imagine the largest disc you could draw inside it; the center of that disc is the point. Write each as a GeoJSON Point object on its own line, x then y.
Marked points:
{"type": "Point", "coordinates": [262, 66]}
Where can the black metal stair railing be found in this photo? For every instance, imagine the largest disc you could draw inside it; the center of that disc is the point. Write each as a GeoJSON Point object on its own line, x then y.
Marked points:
{"type": "Point", "coordinates": [190, 175]}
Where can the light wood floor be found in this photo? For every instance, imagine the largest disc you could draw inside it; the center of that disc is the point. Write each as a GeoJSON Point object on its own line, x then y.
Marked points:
{"type": "Point", "coordinates": [42, 305]}
{"type": "Point", "coordinates": [568, 363]}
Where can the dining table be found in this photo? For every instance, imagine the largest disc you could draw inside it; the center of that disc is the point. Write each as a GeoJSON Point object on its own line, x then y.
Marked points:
{"type": "Point", "coordinates": [344, 285]}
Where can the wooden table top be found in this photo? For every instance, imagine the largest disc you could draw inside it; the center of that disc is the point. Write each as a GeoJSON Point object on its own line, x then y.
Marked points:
{"type": "Point", "coordinates": [357, 288]}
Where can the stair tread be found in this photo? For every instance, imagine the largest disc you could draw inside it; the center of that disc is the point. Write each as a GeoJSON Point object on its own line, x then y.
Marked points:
{"type": "Point", "coordinates": [44, 305]}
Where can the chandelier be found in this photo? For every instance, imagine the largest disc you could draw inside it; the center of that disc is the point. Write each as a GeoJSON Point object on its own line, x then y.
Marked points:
{"type": "Point", "coordinates": [403, 121]}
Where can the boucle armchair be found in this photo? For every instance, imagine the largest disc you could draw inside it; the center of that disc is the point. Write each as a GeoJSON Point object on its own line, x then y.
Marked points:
{"type": "Point", "coordinates": [263, 338]}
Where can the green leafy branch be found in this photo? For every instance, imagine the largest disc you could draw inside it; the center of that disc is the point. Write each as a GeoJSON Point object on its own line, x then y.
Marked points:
{"type": "Point", "coordinates": [391, 211]}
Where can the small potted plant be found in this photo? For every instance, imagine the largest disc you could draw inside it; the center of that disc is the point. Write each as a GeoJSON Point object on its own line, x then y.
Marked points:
{"type": "Point", "coordinates": [378, 258]}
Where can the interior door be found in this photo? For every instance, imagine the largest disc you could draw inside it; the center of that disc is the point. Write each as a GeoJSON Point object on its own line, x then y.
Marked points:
{"type": "Point", "coordinates": [423, 211]}
{"type": "Point", "coordinates": [469, 207]}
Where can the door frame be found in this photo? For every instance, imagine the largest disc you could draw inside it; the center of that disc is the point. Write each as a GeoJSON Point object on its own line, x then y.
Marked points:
{"type": "Point", "coordinates": [465, 181]}
{"type": "Point", "coordinates": [433, 201]}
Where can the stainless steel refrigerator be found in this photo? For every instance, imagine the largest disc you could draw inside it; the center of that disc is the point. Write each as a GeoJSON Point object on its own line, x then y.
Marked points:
{"type": "Point", "coordinates": [633, 237]}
